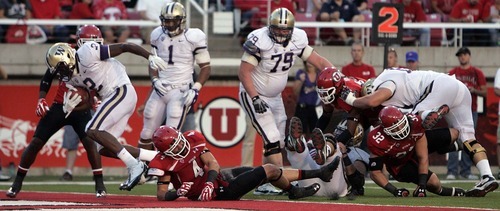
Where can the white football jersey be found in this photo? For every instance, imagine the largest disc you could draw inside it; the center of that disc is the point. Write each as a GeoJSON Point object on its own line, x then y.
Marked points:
{"type": "Point", "coordinates": [179, 52]}
{"type": "Point", "coordinates": [97, 70]}
{"type": "Point", "coordinates": [271, 74]}
{"type": "Point", "coordinates": [407, 87]}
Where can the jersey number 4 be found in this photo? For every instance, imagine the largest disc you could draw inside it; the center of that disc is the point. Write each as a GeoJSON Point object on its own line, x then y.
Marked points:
{"type": "Point", "coordinates": [287, 59]}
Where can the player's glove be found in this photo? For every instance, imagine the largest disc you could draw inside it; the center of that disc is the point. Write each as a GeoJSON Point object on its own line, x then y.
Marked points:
{"type": "Point", "coordinates": [419, 192]}
{"type": "Point", "coordinates": [70, 102]}
{"type": "Point", "coordinates": [157, 63]}
{"type": "Point", "coordinates": [190, 97]}
{"type": "Point", "coordinates": [401, 192]}
{"type": "Point", "coordinates": [207, 193]}
{"type": "Point", "coordinates": [185, 187]}
{"type": "Point", "coordinates": [96, 103]}
{"type": "Point", "coordinates": [159, 88]}
{"type": "Point", "coordinates": [259, 105]}
{"type": "Point", "coordinates": [42, 107]}
{"type": "Point", "coordinates": [348, 96]}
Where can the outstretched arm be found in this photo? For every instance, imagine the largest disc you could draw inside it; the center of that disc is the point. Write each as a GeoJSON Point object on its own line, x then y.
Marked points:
{"type": "Point", "coordinates": [372, 100]}
{"type": "Point", "coordinates": [119, 48]}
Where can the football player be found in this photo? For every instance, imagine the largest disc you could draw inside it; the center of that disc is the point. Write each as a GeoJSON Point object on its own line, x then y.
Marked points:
{"type": "Point", "coordinates": [186, 162]}
{"type": "Point", "coordinates": [92, 66]}
{"type": "Point", "coordinates": [431, 94]}
{"type": "Point", "coordinates": [55, 117]}
{"type": "Point", "coordinates": [269, 53]}
{"type": "Point", "coordinates": [400, 144]}
{"type": "Point", "coordinates": [174, 91]}
{"type": "Point", "coordinates": [301, 156]}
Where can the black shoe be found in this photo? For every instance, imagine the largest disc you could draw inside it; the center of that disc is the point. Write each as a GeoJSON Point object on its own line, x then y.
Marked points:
{"type": "Point", "coordinates": [12, 192]}
{"type": "Point", "coordinates": [319, 142]}
{"type": "Point", "coordinates": [327, 171]}
{"type": "Point", "coordinates": [296, 140]}
{"type": "Point", "coordinates": [357, 191]}
{"type": "Point", "coordinates": [66, 177]}
{"type": "Point", "coordinates": [301, 192]}
{"type": "Point", "coordinates": [100, 193]}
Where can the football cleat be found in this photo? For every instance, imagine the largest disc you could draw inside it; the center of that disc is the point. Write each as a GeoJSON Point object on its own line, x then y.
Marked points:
{"type": "Point", "coordinates": [12, 192]}
{"type": "Point", "coordinates": [134, 176]}
{"type": "Point", "coordinates": [296, 140]}
{"type": "Point", "coordinates": [327, 171]}
{"type": "Point", "coordinates": [267, 189]}
{"type": "Point", "coordinates": [319, 143]}
{"type": "Point", "coordinates": [301, 192]}
{"type": "Point", "coordinates": [434, 116]}
{"type": "Point", "coordinates": [100, 194]}
{"type": "Point", "coordinates": [486, 185]}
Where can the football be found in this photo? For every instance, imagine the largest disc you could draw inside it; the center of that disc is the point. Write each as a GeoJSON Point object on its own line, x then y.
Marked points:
{"type": "Point", "coordinates": [86, 101]}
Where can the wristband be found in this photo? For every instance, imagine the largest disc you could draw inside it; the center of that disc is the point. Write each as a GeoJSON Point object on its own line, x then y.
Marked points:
{"type": "Point", "coordinates": [197, 86]}
{"type": "Point", "coordinates": [212, 175]}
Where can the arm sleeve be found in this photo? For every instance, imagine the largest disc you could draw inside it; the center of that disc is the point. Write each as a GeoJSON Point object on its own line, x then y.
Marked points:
{"type": "Point", "coordinates": [46, 81]}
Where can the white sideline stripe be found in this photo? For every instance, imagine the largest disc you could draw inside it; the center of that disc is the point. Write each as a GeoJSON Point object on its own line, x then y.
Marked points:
{"type": "Point", "coordinates": [43, 203]}
{"type": "Point", "coordinates": [368, 181]}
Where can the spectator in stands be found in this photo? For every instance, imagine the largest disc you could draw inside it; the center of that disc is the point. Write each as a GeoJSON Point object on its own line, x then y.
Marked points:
{"type": "Point", "coordinates": [66, 8]}
{"type": "Point", "coordinates": [50, 9]}
{"type": "Point", "coordinates": [474, 79]}
{"type": "Point", "coordinates": [342, 11]}
{"type": "Point", "coordinates": [15, 9]}
{"type": "Point", "coordinates": [304, 88]}
{"type": "Point", "coordinates": [112, 10]}
{"type": "Point", "coordinates": [412, 60]}
{"type": "Point", "coordinates": [82, 9]}
{"type": "Point", "coordinates": [149, 10]}
{"type": "Point", "coordinates": [413, 12]}
{"type": "Point", "coordinates": [492, 14]}
{"type": "Point", "coordinates": [357, 68]}
{"type": "Point", "coordinates": [443, 7]}
{"type": "Point", "coordinates": [362, 6]}
{"type": "Point", "coordinates": [392, 58]}
{"type": "Point", "coordinates": [131, 4]}
{"type": "Point", "coordinates": [470, 11]}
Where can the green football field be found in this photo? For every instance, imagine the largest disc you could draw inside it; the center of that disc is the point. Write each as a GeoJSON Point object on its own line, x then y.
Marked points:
{"type": "Point", "coordinates": [373, 194]}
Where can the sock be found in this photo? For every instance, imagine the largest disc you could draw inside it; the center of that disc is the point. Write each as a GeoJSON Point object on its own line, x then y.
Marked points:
{"type": "Point", "coordinates": [126, 157]}
{"type": "Point", "coordinates": [147, 155]}
{"type": "Point", "coordinates": [484, 167]}
{"type": "Point", "coordinates": [308, 174]}
{"type": "Point", "coordinates": [446, 191]}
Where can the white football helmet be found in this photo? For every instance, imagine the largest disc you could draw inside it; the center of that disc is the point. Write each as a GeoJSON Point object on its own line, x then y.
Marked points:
{"type": "Point", "coordinates": [356, 138]}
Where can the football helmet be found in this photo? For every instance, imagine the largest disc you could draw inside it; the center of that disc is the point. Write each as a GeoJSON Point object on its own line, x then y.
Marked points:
{"type": "Point", "coordinates": [60, 59]}
{"type": "Point", "coordinates": [88, 33]}
{"type": "Point", "coordinates": [281, 24]}
{"type": "Point", "coordinates": [171, 142]}
{"type": "Point", "coordinates": [356, 138]}
{"type": "Point", "coordinates": [394, 123]}
{"type": "Point", "coordinates": [330, 82]}
{"type": "Point", "coordinates": [367, 87]}
{"type": "Point", "coordinates": [173, 18]}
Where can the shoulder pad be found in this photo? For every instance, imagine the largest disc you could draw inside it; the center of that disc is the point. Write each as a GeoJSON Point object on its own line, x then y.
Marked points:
{"type": "Point", "coordinates": [195, 35]}
{"type": "Point", "coordinates": [299, 38]}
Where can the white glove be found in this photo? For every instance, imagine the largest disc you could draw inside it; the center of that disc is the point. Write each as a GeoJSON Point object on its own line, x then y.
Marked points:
{"type": "Point", "coordinates": [348, 96]}
{"type": "Point", "coordinates": [70, 103]}
{"type": "Point", "coordinates": [185, 187]}
{"type": "Point", "coordinates": [190, 97]}
{"type": "Point", "coordinates": [159, 88]}
{"type": "Point", "coordinates": [157, 63]}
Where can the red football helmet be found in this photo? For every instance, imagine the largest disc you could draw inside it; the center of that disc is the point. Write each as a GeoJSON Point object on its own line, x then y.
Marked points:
{"type": "Point", "coordinates": [330, 83]}
{"type": "Point", "coordinates": [88, 33]}
{"type": "Point", "coordinates": [171, 142]}
{"type": "Point", "coordinates": [394, 122]}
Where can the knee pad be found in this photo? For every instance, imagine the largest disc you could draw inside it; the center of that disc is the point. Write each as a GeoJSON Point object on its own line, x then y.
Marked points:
{"type": "Point", "coordinates": [468, 148]}
{"type": "Point", "coordinates": [272, 148]}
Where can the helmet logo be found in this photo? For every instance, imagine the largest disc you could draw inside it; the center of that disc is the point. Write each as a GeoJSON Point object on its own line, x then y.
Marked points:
{"type": "Point", "coordinates": [336, 76]}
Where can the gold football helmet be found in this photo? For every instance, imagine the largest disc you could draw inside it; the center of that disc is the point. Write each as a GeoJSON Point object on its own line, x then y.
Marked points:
{"type": "Point", "coordinates": [281, 24]}
{"type": "Point", "coordinates": [173, 18]}
{"type": "Point", "coordinates": [60, 59]}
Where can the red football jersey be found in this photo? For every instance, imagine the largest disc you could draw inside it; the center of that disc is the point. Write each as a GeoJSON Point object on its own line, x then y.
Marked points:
{"type": "Point", "coordinates": [363, 71]}
{"type": "Point", "coordinates": [396, 153]}
{"type": "Point", "coordinates": [189, 169]}
{"type": "Point", "coordinates": [354, 84]}
{"type": "Point", "coordinates": [462, 9]}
